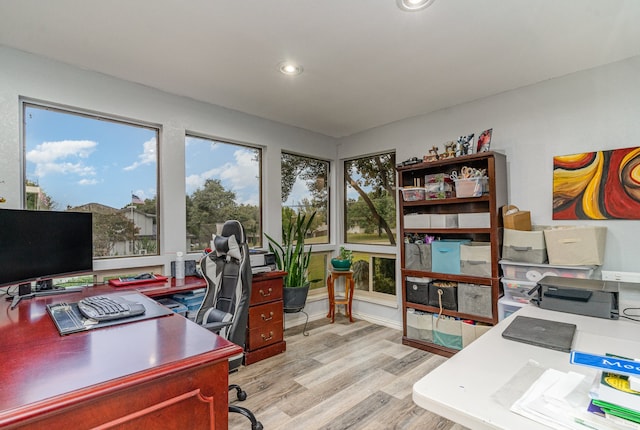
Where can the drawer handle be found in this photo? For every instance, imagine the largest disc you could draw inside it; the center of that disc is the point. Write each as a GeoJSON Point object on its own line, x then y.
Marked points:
{"type": "Point", "coordinates": [263, 294]}
{"type": "Point", "coordinates": [267, 318]}
{"type": "Point", "coordinates": [267, 338]}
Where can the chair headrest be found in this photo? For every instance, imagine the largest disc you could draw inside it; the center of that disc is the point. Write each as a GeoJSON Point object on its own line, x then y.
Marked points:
{"type": "Point", "coordinates": [229, 242]}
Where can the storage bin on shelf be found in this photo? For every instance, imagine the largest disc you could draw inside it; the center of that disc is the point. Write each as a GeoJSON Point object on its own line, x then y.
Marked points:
{"type": "Point", "coordinates": [534, 272]}
{"type": "Point", "coordinates": [475, 259]}
{"type": "Point", "coordinates": [419, 325]}
{"type": "Point", "coordinates": [474, 299]}
{"type": "Point", "coordinates": [412, 194]}
{"type": "Point", "coordinates": [524, 246]}
{"type": "Point", "coordinates": [444, 220]}
{"type": "Point", "coordinates": [516, 290]}
{"type": "Point", "coordinates": [576, 246]}
{"type": "Point", "coordinates": [438, 186]}
{"type": "Point", "coordinates": [417, 221]}
{"type": "Point", "coordinates": [445, 255]}
{"type": "Point", "coordinates": [471, 187]}
{"type": "Point", "coordinates": [417, 256]}
{"type": "Point", "coordinates": [474, 220]}
{"type": "Point", "coordinates": [447, 331]}
{"type": "Point", "coordinates": [444, 294]}
{"type": "Point", "coordinates": [417, 290]}
{"type": "Point", "coordinates": [471, 331]}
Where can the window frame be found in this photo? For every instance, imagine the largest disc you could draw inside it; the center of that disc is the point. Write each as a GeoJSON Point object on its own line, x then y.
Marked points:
{"type": "Point", "coordinates": [261, 184]}
{"type": "Point", "coordinates": [26, 102]}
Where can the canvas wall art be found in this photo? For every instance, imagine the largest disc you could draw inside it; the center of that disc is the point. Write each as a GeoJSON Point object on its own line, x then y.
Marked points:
{"type": "Point", "coordinates": [597, 185]}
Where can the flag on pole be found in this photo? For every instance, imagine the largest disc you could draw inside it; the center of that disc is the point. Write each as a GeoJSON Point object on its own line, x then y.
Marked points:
{"type": "Point", "coordinates": [136, 200]}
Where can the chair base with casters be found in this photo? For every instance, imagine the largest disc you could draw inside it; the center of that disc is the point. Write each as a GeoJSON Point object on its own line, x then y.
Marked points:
{"type": "Point", "coordinates": [225, 307]}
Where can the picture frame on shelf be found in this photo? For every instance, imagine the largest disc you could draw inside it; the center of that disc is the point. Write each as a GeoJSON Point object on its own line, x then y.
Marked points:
{"type": "Point", "coordinates": [484, 141]}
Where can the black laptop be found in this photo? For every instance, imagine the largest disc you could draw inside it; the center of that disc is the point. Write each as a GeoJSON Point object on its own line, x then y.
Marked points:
{"type": "Point", "coordinates": [545, 333]}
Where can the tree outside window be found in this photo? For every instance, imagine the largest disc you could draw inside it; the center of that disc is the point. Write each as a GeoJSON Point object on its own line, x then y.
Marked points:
{"type": "Point", "coordinates": [83, 162]}
{"type": "Point", "coordinates": [223, 182]}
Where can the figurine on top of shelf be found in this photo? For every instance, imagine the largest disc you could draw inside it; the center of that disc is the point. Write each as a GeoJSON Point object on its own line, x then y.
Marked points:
{"type": "Point", "coordinates": [465, 146]}
{"type": "Point", "coordinates": [434, 157]}
{"type": "Point", "coordinates": [449, 150]}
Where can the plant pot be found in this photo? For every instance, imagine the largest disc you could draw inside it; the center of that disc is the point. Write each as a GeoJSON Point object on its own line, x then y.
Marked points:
{"type": "Point", "coordinates": [340, 264]}
{"type": "Point", "coordinates": [294, 298]}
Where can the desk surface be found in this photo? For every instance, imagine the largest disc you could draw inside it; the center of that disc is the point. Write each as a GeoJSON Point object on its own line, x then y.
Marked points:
{"type": "Point", "coordinates": [42, 370]}
{"type": "Point", "coordinates": [462, 388]}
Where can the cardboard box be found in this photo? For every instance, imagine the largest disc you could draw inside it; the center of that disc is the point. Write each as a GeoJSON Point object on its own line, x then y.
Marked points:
{"type": "Point", "coordinates": [576, 246]}
{"type": "Point", "coordinates": [515, 219]}
{"type": "Point", "coordinates": [524, 246]}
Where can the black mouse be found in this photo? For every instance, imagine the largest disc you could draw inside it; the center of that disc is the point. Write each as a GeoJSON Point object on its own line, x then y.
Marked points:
{"type": "Point", "coordinates": [145, 276]}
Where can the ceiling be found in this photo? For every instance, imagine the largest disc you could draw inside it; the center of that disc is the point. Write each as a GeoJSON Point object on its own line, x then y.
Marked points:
{"type": "Point", "coordinates": [366, 62]}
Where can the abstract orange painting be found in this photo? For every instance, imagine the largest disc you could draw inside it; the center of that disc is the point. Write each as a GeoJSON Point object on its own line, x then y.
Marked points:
{"type": "Point", "coordinates": [597, 185]}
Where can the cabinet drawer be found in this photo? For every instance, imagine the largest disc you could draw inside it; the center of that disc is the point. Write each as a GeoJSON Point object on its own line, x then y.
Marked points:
{"type": "Point", "coordinates": [266, 291]}
{"type": "Point", "coordinates": [264, 314]}
{"type": "Point", "coordinates": [266, 335]}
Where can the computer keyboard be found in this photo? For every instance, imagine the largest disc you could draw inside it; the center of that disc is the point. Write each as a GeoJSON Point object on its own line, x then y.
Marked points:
{"type": "Point", "coordinates": [107, 308]}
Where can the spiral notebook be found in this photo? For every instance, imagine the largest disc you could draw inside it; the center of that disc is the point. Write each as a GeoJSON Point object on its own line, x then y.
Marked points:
{"type": "Point", "coordinates": [539, 332]}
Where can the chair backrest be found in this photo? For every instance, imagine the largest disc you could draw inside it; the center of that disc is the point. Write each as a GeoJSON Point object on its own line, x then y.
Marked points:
{"type": "Point", "coordinates": [227, 272]}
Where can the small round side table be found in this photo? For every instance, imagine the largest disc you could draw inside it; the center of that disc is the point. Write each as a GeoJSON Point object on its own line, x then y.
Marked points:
{"type": "Point", "coordinates": [345, 300]}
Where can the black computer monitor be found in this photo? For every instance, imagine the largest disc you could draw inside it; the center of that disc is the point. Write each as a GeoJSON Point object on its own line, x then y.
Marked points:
{"type": "Point", "coordinates": [36, 245]}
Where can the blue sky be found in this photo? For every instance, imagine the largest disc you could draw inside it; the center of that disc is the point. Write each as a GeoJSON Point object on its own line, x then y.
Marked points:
{"type": "Point", "coordinates": [78, 160]}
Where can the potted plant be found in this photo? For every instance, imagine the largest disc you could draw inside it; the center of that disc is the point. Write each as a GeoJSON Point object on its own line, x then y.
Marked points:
{"type": "Point", "coordinates": [292, 258]}
{"type": "Point", "coordinates": [343, 260]}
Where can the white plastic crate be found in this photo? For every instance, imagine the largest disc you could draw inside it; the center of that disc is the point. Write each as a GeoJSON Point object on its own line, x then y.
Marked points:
{"type": "Point", "coordinates": [506, 307]}
{"type": "Point", "coordinates": [516, 290]}
{"type": "Point", "coordinates": [534, 272]}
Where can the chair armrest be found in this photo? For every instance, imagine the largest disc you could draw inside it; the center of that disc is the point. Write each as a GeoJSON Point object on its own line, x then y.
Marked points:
{"type": "Point", "coordinates": [216, 326]}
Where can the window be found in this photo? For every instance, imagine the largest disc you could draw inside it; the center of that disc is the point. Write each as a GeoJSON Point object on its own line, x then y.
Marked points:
{"type": "Point", "coordinates": [223, 182]}
{"type": "Point", "coordinates": [305, 188]}
{"type": "Point", "coordinates": [83, 162]}
{"type": "Point", "coordinates": [375, 273]}
{"type": "Point", "coordinates": [370, 206]}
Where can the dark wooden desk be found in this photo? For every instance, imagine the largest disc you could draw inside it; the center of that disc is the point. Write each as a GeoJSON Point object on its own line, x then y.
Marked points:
{"type": "Point", "coordinates": [164, 373]}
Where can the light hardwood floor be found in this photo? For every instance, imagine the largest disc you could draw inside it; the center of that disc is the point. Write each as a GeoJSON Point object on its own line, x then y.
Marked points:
{"type": "Point", "coordinates": [341, 376]}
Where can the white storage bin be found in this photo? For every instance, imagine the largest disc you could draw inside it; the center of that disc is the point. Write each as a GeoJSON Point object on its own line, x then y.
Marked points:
{"type": "Point", "coordinates": [412, 194]}
{"type": "Point", "coordinates": [474, 220]}
{"type": "Point", "coordinates": [444, 220]}
{"type": "Point", "coordinates": [576, 246]}
{"type": "Point", "coordinates": [471, 332]}
{"type": "Point", "coordinates": [534, 272]}
{"type": "Point", "coordinates": [417, 221]}
{"type": "Point", "coordinates": [524, 246]}
{"type": "Point", "coordinates": [517, 290]}
{"type": "Point", "coordinates": [472, 187]}
{"type": "Point", "coordinates": [419, 325]}
{"type": "Point", "coordinates": [506, 307]}
{"type": "Point", "coordinates": [475, 259]}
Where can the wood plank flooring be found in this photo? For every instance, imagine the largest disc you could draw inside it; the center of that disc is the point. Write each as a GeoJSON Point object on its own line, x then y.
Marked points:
{"type": "Point", "coordinates": [341, 376]}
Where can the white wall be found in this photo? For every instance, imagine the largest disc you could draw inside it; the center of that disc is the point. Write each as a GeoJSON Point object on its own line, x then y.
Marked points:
{"type": "Point", "coordinates": [592, 110]}
{"type": "Point", "coordinates": [25, 75]}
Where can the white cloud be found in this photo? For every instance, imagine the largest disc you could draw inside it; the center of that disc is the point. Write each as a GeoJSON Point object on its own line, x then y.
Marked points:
{"type": "Point", "coordinates": [87, 182]}
{"type": "Point", "coordinates": [235, 176]}
{"type": "Point", "coordinates": [148, 155]}
{"type": "Point", "coordinates": [50, 157]}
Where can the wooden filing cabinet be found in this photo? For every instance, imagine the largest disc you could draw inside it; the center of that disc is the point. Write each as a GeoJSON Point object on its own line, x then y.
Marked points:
{"type": "Point", "coordinates": [265, 329]}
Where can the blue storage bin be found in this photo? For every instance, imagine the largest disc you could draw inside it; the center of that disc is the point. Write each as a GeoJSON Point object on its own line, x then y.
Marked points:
{"type": "Point", "coordinates": [445, 256]}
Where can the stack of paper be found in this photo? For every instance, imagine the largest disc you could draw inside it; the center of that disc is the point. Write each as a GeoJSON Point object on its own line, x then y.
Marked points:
{"type": "Point", "coordinates": [561, 401]}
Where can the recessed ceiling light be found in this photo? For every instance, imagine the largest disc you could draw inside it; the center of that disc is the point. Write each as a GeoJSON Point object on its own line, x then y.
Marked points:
{"type": "Point", "coordinates": [414, 5]}
{"type": "Point", "coordinates": [290, 69]}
